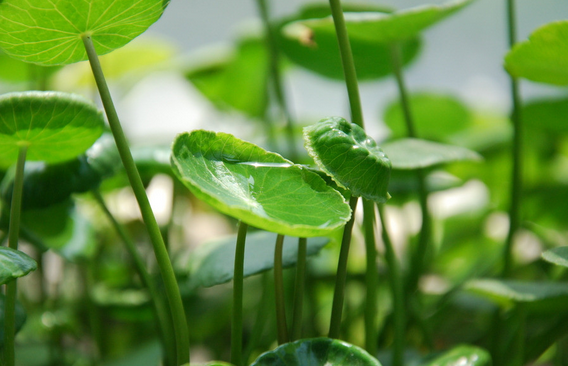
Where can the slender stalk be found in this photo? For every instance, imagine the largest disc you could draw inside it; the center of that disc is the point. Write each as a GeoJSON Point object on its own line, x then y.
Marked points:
{"type": "Point", "coordinates": [519, 346]}
{"type": "Point", "coordinates": [276, 77]}
{"type": "Point", "coordinates": [397, 288]}
{"type": "Point", "coordinates": [164, 323]}
{"type": "Point", "coordinates": [299, 288]}
{"type": "Point", "coordinates": [371, 278]}
{"type": "Point", "coordinates": [279, 292]}
{"type": "Point", "coordinates": [237, 315]}
{"type": "Point", "coordinates": [160, 251]}
{"type": "Point", "coordinates": [341, 276]}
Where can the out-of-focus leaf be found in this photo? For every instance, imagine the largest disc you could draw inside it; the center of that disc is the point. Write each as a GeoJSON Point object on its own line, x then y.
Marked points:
{"type": "Point", "coordinates": [16, 71]}
{"type": "Point", "coordinates": [14, 264]}
{"type": "Point", "coordinates": [403, 182]}
{"type": "Point", "coordinates": [548, 115]}
{"type": "Point", "coordinates": [148, 354]}
{"type": "Point", "coordinates": [463, 355]}
{"type": "Point", "coordinates": [20, 317]}
{"type": "Point", "coordinates": [558, 256]}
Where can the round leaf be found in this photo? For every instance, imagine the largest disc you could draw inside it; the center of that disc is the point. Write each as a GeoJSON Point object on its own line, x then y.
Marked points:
{"type": "Point", "coordinates": [543, 57]}
{"type": "Point", "coordinates": [354, 161]}
{"type": "Point", "coordinates": [14, 264]}
{"type": "Point", "coordinates": [318, 51]}
{"type": "Point", "coordinates": [416, 153]}
{"type": "Point", "coordinates": [463, 355]}
{"type": "Point", "coordinates": [55, 126]}
{"type": "Point", "coordinates": [558, 256]}
{"type": "Point", "coordinates": [213, 263]}
{"type": "Point", "coordinates": [50, 32]}
{"type": "Point", "coordinates": [316, 352]}
{"type": "Point", "coordinates": [260, 188]}
{"type": "Point", "coordinates": [20, 317]}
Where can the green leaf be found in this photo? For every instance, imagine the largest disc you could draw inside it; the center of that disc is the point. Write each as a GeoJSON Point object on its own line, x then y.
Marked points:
{"type": "Point", "coordinates": [55, 126]}
{"type": "Point", "coordinates": [462, 355]}
{"type": "Point", "coordinates": [239, 82]}
{"type": "Point", "coordinates": [387, 27]}
{"type": "Point", "coordinates": [318, 51]}
{"type": "Point", "coordinates": [14, 264]}
{"type": "Point", "coordinates": [316, 352]}
{"type": "Point", "coordinates": [543, 57]}
{"type": "Point", "coordinates": [258, 187]}
{"type": "Point", "coordinates": [213, 263]}
{"type": "Point", "coordinates": [50, 32]}
{"type": "Point", "coordinates": [537, 296]}
{"type": "Point", "coordinates": [20, 317]}
{"type": "Point", "coordinates": [147, 354]}
{"type": "Point", "coordinates": [354, 161]}
{"type": "Point", "coordinates": [413, 153]}
{"type": "Point", "coordinates": [548, 115]}
{"type": "Point", "coordinates": [558, 256]}
{"type": "Point", "coordinates": [436, 116]}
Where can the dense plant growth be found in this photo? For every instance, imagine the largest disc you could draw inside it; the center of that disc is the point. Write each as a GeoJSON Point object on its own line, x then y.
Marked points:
{"type": "Point", "coordinates": [337, 253]}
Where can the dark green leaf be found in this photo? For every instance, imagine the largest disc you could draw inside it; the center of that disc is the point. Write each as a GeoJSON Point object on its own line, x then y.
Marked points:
{"type": "Point", "coordinates": [316, 352]}
{"type": "Point", "coordinates": [548, 115]}
{"type": "Point", "coordinates": [213, 263]}
{"type": "Point", "coordinates": [558, 256]}
{"type": "Point", "coordinates": [345, 152]}
{"type": "Point", "coordinates": [14, 264]}
{"type": "Point", "coordinates": [463, 355]}
{"type": "Point", "coordinates": [258, 187]}
{"type": "Point", "coordinates": [20, 317]}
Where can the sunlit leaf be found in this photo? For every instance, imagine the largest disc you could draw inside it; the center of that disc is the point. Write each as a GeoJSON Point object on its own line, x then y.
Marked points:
{"type": "Point", "coordinates": [318, 51]}
{"type": "Point", "coordinates": [463, 355]}
{"type": "Point", "coordinates": [543, 57]}
{"type": "Point", "coordinates": [20, 317]}
{"type": "Point", "coordinates": [213, 263]}
{"type": "Point", "coordinates": [14, 264]}
{"type": "Point", "coordinates": [354, 161]}
{"type": "Point", "coordinates": [412, 153]}
{"type": "Point", "coordinates": [50, 32]}
{"type": "Point", "coordinates": [55, 126]}
{"type": "Point", "coordinates": [558, 256]}
{"type": "Point", "coordinates": [260, 188]}
{"type": "Point", "coordinates": [317, 352]}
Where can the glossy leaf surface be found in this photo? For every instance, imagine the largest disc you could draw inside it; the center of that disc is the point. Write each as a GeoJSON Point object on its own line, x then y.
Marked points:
{"type": "Point", "coordinates": [317, 50]}
{"type": "Point", "coordinates": [462, 356]}
{"type": "Point", "coordinates": [14, 264]}
{"type": "Point", "coordinates": [543, 57]}
{"type": "Point", "coordinates": [50, 32]}
{"type": "Point", "coordinates": [417, 153]}
{"type": "Point", "coordinates": [55, 126]}
{"type": "Point", "coordinates": [354, 161]}
{"type": "Point", "coordinates": [213, 263]}
{"type": "Point", "coordinates": [388, 27]}
{"type": "Point", "coordinates": [260, 188]}
{"type": "Point", "coordinates": [20, 317]}
{"type": "Point", "coordinates": [316, 352]}
{"type": "Point", "coordinates": [558, 256]}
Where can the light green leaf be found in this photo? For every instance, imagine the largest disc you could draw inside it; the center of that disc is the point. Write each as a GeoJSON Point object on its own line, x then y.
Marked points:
{"type": "Point", "coordinates": [388, 27]}
{"type": "Point", "coordinates": [20, 317]}
{"type": "Point", "coordinates": [50, 32]}
{"type": "Point", "coordinates": [14, 264]}
{"type": "Point", "coordinates": [213, 263]}
{"type": "Point", "coordinates": [413, 153]}
{"type": "Point", "coordinates": [558, 256]}
{"type": "Point", "coordinates": [55, 126]}
{"type": "Point", "coordinates": [354, 161]}
{"type": "Point", "coordinates": [258, 187]}
{"type": "Point", "coordinates": [317, 352]}
{"type": "Point", "coordinates": [462, 355]}
{"type": "Point", "coordinates": [543, 57]}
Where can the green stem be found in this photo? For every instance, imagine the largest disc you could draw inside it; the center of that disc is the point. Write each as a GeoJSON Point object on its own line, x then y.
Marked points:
{"type": "Point", "coordinates": [347, 62]}
{"type": "Point", "coordinates": [160, 251]}
{"type": "Point", "coordinates": [237, 315]}
{"type": "Point", "coordinates": [371, 278]}
{"type": "Point", "coordinates": [516, 174]}
{"type": "Point", "coordinates": [13, 237]}
{"type": "Point", "coordinates": [279, 292]}
{"type": "Point", "coordinates": [397, 288]}
{"type": "Point", "coordinates": [299, 288]}
{"type": "Point", "coordinates": [518, 352]}
{"type": "Point", "coordinates": [265, 301]}
{"type": "Point", "coordinates": [164, 324]}
{"type": "Point", "coordinates": [341, 276]}
{"type": "Point", "coordinates": [276, 77]}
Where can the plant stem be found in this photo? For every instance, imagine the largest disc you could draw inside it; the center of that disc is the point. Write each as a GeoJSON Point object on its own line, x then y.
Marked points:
{"type": "Point", "coordinates": [237, 315]}
{"type": "Point", "coordinates": [164, 323]}
{"type": "Point", "coordinates": [341, 276]}
{"type": "Point", "coordinates": [13, 237]}
{"type": "Point", "coordinates": [299, 288]}
{"type": "Point", "coordinates": [260, 322]}
{"type": "Point", "coordinates": [397, 288]}
{"type": "Point", "coordinates": [371, 278]}
{"type": "Point", "coordinates": [276, 77]}
{"type": "Point", "coordinates": [160, 251]}
{"type": "Point", "coordinates": [516, 173]}
{"type": "Point", "coordinates": [279, 292]}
